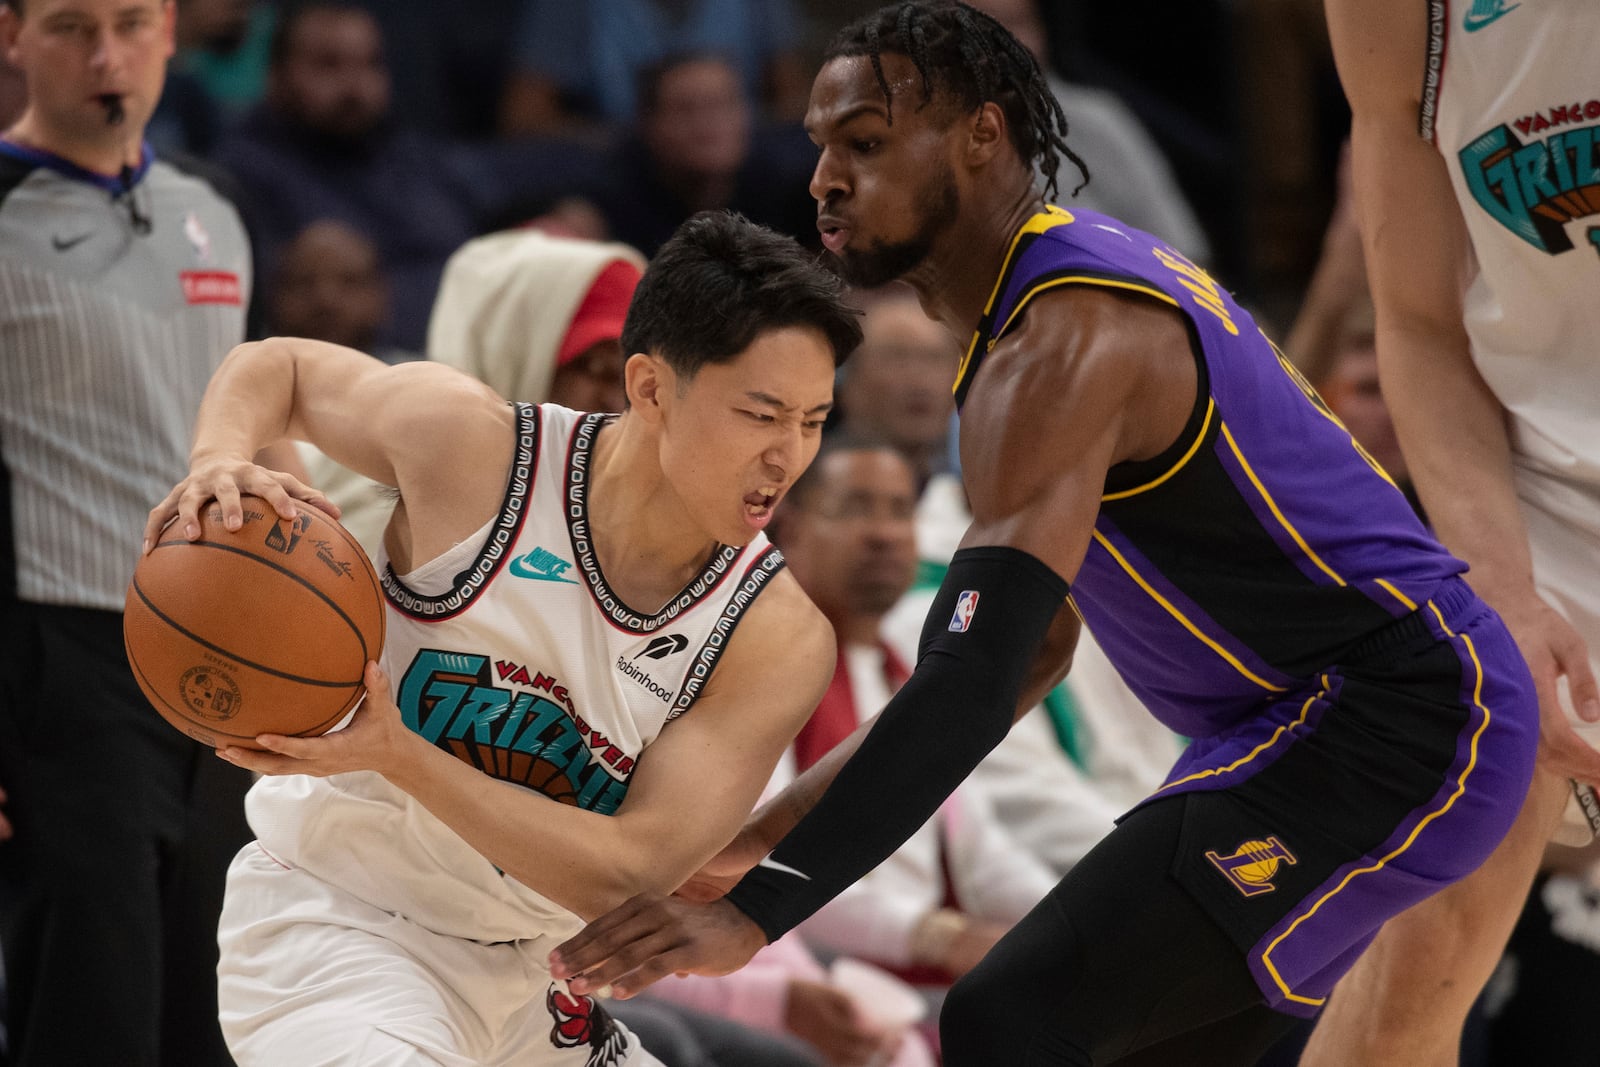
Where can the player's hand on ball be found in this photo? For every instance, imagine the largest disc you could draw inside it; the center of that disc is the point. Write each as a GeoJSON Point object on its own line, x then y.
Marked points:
{"type": "Point", "coordinates": [651, 936]}
{"type": "Point", "coordinates": [225, 479]}
{"type": "Point", "coordinates": [373, 741]}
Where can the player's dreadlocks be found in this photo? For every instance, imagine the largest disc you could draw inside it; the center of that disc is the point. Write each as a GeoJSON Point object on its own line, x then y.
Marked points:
{"type": "Point", "coordinates": [968, 54]}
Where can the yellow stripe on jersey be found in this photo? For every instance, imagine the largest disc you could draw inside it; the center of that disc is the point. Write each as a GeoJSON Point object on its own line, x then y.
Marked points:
{"type": "Point", "coordinates": [1205, 425]}
{"type": "Point", "coordinates": [1411, 605]}
{"type": "Point", "coordinates": [1326, 412]}
{"type": "Point", "coordinates": [1461, 787]}
{"type": "Point", "coordinates": [1082, 279]}
{"type": "Point", "coordinates": [1273, 505]}
{"type": "Point", "coordinates": [1048, 219]}
{"type": "Point", "coordinates": [1208, 641]}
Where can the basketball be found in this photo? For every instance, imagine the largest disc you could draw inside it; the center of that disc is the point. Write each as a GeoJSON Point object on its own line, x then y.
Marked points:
{"type": "Point", "coordinates": [266, 629]}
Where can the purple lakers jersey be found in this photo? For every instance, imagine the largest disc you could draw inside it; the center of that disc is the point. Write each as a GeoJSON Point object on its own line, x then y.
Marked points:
{"type": "Point", "coordinates": [1224, 573]}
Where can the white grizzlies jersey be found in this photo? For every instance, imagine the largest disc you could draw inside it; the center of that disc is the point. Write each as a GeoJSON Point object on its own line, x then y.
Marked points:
{"type": "Point", "coordinates": [512, 653]}
{"type": "Point", "coordinates": [1511, 98]}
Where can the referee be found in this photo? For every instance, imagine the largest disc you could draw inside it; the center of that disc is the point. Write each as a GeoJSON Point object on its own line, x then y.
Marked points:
{"type": "Point", "coordinates": [123, 281]}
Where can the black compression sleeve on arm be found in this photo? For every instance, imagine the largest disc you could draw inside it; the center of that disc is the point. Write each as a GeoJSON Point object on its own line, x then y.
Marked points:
{"type": "Point", "coordinates": [982, 634]}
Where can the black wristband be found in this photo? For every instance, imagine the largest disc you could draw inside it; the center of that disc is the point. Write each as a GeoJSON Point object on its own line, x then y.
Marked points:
{"type": "Point", "coordinates": [980, 638]}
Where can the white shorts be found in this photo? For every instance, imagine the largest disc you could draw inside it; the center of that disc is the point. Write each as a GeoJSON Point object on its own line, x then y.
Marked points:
{"type": "Point", "coordinates": [1563, 520]}
{"type": "Point", "coordinates": [311, 976]}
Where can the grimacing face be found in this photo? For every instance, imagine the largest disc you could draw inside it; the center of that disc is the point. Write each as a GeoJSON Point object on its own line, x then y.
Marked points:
{"type": "Point", "coordinates": [736, 435]}
{"type": "Point", "coordinates": [885, 191]}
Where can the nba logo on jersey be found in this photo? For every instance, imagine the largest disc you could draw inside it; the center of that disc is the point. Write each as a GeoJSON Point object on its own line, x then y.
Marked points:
{"type": "Point", "coordinates": [966, 608]}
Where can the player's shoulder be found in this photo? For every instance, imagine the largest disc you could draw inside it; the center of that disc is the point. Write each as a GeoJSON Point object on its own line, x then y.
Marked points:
{"type": "Point", "coordinates": [784, 640]}
{"type": "Point", "coordinates": [441, 409]}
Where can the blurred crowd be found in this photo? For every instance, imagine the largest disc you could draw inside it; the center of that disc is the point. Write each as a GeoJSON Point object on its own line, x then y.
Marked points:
{"type": "Point", "coordinates": [418, 125]}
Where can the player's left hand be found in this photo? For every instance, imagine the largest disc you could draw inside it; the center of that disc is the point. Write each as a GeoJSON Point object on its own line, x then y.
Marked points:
{"type": "Point", "coordinates": [371, 742]}
{"type": "Point", "coordinates": [650, 936]}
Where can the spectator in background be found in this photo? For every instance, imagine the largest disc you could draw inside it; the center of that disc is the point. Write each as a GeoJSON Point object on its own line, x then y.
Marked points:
{"type": "Point", "coordinates": [225, 45]}
{"type": "Point", "coordinates": [580, 63]}
{"type": "Point", "coordinates": [696, 148]}
{"type": "Point", "coordinates": [538, 318]}
{"type": "Point", "coordinates": [324, 145]}
{"type": "Point", "coordinates": [896, 387]}
{"type": "Point", "coordinates": [329, 286]}
{"type": "Point", "coordinates": [1131, 178]}
{"type": "Point", "coordinates": [125, 281]}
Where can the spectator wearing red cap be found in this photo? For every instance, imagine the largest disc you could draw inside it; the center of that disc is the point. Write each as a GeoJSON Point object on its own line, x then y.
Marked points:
{"type": "Point", "coordinates": [536, 317]}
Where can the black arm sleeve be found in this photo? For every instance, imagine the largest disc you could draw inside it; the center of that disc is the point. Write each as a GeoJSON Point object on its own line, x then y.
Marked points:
{"type": "Point", "coordinates": [981, 636]}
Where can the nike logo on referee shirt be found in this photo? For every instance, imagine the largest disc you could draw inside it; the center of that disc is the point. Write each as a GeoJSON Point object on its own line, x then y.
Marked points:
{"type": "Point", "coordinates": [66, 244]}
{"type": "Point", "coordinates": [783, 868]}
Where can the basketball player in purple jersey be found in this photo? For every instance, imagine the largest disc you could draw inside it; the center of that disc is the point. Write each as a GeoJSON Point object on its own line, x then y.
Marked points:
{"type": "Point", "coordinates": [1364, 728]}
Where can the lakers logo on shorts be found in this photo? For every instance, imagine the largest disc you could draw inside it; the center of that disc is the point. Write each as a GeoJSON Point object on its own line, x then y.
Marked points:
{"type": "Point", "coordinates": [1253, 865]}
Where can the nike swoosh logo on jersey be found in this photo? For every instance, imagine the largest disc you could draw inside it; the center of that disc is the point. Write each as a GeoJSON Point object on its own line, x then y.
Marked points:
{"type": "Point", "coordinates": [1476, 20]}
{"type": "Point", "coordinates": [542, 566]}
{"type": "Point", "coordinates": [65, 244]}
{"type": "Point", "coordinates": [782, 868]}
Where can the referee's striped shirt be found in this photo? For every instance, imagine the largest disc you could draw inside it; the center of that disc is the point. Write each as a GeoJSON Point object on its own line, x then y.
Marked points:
{"type": "Point", "coordinates": [118, 298]}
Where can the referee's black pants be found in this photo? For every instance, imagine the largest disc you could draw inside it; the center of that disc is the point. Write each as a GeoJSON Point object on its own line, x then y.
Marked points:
{"type": "Point", "coordinates": [111, 887]}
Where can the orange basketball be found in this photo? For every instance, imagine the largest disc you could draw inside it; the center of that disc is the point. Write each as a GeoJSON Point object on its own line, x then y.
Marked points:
{"type": "Point", "coordinates": [262, 630]}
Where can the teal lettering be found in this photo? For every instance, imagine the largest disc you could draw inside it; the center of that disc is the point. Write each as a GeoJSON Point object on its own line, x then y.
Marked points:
{"type": "Point", "coordinates": [542, 716]}
{"type": "Point", "coordinates": [1561, 161]}
{"type": "Point", "coordinates": [482, 707]}
{"type": "Point", "coordinates": [598, 791]}
{"type": "Point", "coordinates": [1586, 167]}
{"type": "Point", "coordinates": [1533, 173]}
{"type": "Point", "coordinates": [1496, 181]}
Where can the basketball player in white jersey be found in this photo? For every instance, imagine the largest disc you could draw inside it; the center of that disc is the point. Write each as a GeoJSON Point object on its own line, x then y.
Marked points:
{"type": "Point", "coordinates": [1478, 187]}
{"type": "Point", "coordinates": [594, 660]}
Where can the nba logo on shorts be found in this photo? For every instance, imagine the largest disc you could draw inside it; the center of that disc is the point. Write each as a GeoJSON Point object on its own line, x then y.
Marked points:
{"type": "Point", "coordinates": [966, 608]}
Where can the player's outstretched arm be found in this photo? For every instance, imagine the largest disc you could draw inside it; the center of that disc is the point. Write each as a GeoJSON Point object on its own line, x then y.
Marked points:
{"type": "Point", "coordinates": [1453, 430]}
{"type": "Point", "coordinates": [779, 814]}
{"type": "Point", "coordinates": [1086, 381]}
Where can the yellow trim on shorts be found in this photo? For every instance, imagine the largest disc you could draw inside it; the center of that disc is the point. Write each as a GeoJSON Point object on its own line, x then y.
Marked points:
{"type": "Point", "coordinates": [1205, 425]}
{"type": "Point", "coordinates": [1273, 504]}
{"type": "Point", "coordinates": [1305, 710]}
{"type": "Point", "coordinates": [1461, 787]}
{"type": "Point", "coordinates": [1183, 619]}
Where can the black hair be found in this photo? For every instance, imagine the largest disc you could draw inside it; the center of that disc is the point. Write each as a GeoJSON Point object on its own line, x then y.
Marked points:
{"type": "Point", "coordinates": [721, 282]}
{"type": "Point", "coordinates": [291, 14]}
{"type": "Point", "coordinates": [967, 54]}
